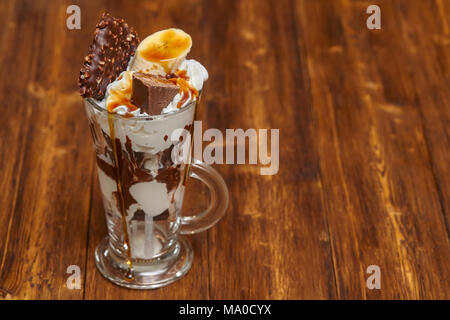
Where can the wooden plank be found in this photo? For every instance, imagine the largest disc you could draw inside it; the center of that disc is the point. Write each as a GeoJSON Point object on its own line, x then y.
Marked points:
{"type": "Point", "coordinates": [14, 122]}
{"type": "Point", "coordinates": [431, 77]}
{"type": "Point", "coordinates": [148, 17]}
{"type": "Point", "coordinates": [273, 243]}
{"type": "Point", "coordinates": [382, 203]}
{"type": "Point", "coordinates": [48, 229]}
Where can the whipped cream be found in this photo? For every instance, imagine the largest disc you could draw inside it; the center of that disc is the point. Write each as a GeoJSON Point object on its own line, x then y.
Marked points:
{"type": "Point", "coordinates": [120, 89]}
{"type": "Point", "coordinates": [197, 76]}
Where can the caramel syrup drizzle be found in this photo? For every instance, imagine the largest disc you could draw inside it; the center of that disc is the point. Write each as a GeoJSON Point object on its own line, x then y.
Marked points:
{"type": "Point", "coordinates": [181, 79]}
{"type": "Point", "coordinates": [129, 276]}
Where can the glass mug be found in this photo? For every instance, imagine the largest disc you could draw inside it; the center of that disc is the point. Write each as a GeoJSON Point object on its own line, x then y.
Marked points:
{"type": "Point", "coordinates": [142, 181]}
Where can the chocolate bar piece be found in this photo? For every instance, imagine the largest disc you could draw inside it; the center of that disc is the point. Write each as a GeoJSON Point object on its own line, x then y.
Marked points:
{"type": "Point", "coordinates": [151, 93]}
{"type": "Point", "coordinates": [114, 43]}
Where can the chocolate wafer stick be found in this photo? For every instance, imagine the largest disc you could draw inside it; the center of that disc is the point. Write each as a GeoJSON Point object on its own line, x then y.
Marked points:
{"type": "Point", "coordinates": [109, 54]}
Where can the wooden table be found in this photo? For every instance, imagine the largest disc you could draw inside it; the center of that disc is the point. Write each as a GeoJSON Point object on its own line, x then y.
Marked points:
{"type": "Point", "coordinates": [364, 176]}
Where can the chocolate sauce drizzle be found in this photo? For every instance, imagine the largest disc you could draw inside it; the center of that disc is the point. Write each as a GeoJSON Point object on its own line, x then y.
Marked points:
{"type": "Point", "coordinates": [127, 169]}
{"type": "Point", "coordinates": [131, 169]}
{"type": "Point", "coordinates": [130, 273]}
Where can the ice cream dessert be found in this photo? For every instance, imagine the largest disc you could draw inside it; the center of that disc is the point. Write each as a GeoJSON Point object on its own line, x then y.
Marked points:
{"type": "Point", "coordinates": [141, 93]}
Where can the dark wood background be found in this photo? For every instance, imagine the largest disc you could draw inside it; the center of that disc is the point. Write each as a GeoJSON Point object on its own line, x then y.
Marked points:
{"type": "Point", "coordinates": [364, 121]}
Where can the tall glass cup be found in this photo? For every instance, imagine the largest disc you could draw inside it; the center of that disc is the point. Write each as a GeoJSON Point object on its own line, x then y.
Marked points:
{"type": "Point", "coordinates": [143, 163]}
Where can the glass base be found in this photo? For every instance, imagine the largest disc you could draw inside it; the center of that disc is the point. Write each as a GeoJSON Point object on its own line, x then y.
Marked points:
{"type": "Point", "coordinates": [150, 275]}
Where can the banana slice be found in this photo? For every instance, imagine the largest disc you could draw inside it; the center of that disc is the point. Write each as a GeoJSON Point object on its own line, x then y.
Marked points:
{"type": "Point", "coordinates": [162, 52]}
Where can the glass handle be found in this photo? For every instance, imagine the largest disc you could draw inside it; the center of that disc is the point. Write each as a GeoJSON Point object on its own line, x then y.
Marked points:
{"type": "Point", "coordinates": [218, 200]}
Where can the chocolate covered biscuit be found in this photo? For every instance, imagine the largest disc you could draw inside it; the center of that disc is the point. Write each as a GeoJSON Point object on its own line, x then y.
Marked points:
{"type": "Point", "coordinates": [114, 43]}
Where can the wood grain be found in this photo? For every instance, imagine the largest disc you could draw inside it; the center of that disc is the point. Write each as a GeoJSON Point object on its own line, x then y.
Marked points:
{"type": "Point", "coordinates": [431, 80]}
{"type": "Point", "coordinates": [364, 178]}
{"type": "Point", "coordinates": [276, 223]}
{"type": "Point", "coordinates": [47, 230]}
{"type": "Point", "coordinates": [386, 210]}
